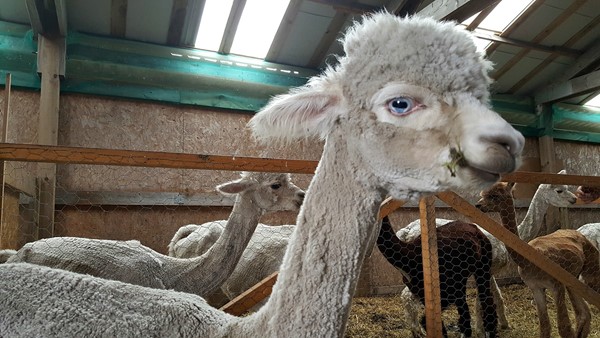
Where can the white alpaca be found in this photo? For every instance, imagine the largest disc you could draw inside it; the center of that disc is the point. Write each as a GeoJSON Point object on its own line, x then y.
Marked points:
{"type": "Point", "coordinates": [409, 96]}
{"type": "Point", "coordinates": [546, 195]}
{"type": "Point", "coordinates": [591, 231]}
{"type": "Point", "coordinates": [131, 262]}
{"type": "Point", "coordinates": [262, 257]}
{"type": "Point", "coordinates": [6, 254]}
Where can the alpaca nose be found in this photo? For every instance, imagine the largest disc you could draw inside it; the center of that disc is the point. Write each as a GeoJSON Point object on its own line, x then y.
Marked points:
{"type": "Point", "coordinates": [513, 142]}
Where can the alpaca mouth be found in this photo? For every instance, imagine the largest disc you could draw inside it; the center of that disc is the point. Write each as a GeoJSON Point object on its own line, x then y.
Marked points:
{"type": "Point", "coordinates": [484, 175]}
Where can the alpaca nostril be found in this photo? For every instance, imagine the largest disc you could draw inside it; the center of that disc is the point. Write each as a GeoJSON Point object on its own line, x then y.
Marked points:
{"type": "Point", "coordinates": [513, 145]}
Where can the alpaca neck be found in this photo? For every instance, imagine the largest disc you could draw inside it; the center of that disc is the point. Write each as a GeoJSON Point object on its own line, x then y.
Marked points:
{"type": "Point", "coordinates": [318, 275]}
{"type": "Point", "coordinates": [205, 274]}
{"type": "Point", "coordinates": [508, 217]}
{"type": "Point", "coordinates": [397, 252]}
{"type": "Point", "coordinates": [532, 223]}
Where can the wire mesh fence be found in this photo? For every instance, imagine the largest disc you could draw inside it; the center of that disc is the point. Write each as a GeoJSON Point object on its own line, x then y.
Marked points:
{"type": "Point", "coordinates": [121, 220]}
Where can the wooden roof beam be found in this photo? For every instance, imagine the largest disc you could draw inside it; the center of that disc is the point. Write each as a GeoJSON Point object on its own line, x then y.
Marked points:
{"type": "Point", "coordinates": [231, 27]}
{"type": "Point", "coordinates": [574, 87]}
{"type": "Point", "coordinates": [458, 10]}
{"type": "Point", "coordinates": [184, 22]}
{"type": "Point", "coordinates": [48, 18]}
{"type": "Point", "coordinates": [285, 27]}
{"type": "Point", "coordinates": [118, 18]}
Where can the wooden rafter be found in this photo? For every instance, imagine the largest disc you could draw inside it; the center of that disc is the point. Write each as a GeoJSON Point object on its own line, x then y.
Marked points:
{"type": "Point", "coordinates": [284, 30]}
{"type": "Point", "coordinates": [177, 22]}
{"type": "Point", "coordinates": [482, 15]}
{"type": "Point", "coordinates": [516, 24]}
{"type": "Point", "coordinates": [574, 87]}
{"type": "Point", "coordinates": [334, 28]}
{"type": "Point", "coordinates": [542, 65]}
{"type": "Point", "coordinates": [555, 24]}
{"type": "Point", "coordinates": [118, 18]}
{"type": "Point", "coordinates": [589, 59]}
{"type": "Point", "coordinates": [458, 10]}
{"type": "Point", "coordinates": [231, 27]}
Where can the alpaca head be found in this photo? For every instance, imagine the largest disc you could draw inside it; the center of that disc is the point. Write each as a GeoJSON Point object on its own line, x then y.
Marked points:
{"type": "Point", "coordinates": [408, 104]}
{"type": "Point", "coordinates": [557, 195]}
{"type": "Point", "coordinates": [587, 194]}
{"type": "Point", "coordinates": [497, 198]}
{"type": "Point", "coordinates": [269, 191]}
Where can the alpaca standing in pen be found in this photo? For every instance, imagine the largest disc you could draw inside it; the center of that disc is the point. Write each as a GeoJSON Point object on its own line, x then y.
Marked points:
{"type": "Point", "coordinates": [409, 97]}
{"type": "Point", "coordinates": [566, 247]}
{"type": "Point", "coordinates": [131, 262]}
{"type": "Point", "coordinates": [463, 251]}
{"type": "Point", "coordinates": [546, 195]}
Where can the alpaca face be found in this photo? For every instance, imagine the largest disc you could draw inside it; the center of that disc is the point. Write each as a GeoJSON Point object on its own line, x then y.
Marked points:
{"type": "Point", "coordinates": [408, 105]}
{"type": "Point", "coordinates": [557, 195]}
{"type": "Point", "coordinates": [269, 191]}
{"type": "Point", "coordinates": [496, 198]}
{"type": "Point", "coordinates": [463, 144]}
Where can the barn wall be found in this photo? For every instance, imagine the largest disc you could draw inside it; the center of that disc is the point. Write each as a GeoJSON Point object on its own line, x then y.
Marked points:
{"type": "Point", "coordinates": [101, 122]}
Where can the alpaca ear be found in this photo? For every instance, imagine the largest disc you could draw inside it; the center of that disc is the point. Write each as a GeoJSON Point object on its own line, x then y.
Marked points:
{"type": "Point", "coordinates": [510, 185]}
{"type": "Point", "coordinates": [234, 187]}
{"type": "Point", "coordinates": [563, 172]}
{"type": "Point", "coordinates": [307, 112]}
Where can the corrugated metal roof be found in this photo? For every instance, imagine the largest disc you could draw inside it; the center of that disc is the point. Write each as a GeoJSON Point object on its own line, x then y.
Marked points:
{"type": "Point", "coordinates": [554, 42]}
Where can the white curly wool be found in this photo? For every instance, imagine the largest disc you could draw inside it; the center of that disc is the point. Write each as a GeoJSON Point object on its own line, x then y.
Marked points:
{"type": "Point", "coordinates": [373, 148]}
{"type": "Point", "coordinates": [132, 262]}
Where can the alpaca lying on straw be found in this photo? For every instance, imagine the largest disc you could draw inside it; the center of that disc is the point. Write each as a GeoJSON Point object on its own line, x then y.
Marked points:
{"type": "Point", "coordinates": [131, 262]}
{"type": "Point", "coordinates": [409, 97]}
{"type": "Point", "coordinates": [262, 257]}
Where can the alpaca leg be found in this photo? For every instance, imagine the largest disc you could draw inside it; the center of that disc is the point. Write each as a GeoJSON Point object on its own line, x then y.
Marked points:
{"type": "Point", "coordinates": [464, 317]}
{"type": "Point", "coordinates": [486, 301]}
{"type": "Point", "coordinates": [539, 296]}
{"type": "Point", "coordinates": [565, 330]}
{"type": "Point", "coordinates": [582, 315]}
{"type": "Point", "coordinates": [412, 307]}
{"type": "Point", "coordinates": [499, 301]}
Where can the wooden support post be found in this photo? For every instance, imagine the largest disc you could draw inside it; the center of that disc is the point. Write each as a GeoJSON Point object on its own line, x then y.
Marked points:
{"type": "Point", "coordinates": [5, 231]}
{"type": "Point", "coordinates": [50, 54]}
{"type": "Point", "coordinates": [431, 272]}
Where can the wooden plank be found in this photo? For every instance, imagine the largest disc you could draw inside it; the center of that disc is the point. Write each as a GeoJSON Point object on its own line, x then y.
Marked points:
{"type": "Point", "coordinates": [4, 228]}
{"type": "Point", "coordinates": [150, 159]}
{"type": "Point", "coordinates": [551, 178]}
{"type": "Point", "coordinates": [49, 67]}
{"type": "Point", "coordinates": [118, 18]}
{"type": "Point", "coordinates": [514, 242]}
{"type": "Point", "coordinates": [142, 198]}
{"type": "Point", "coordinates": [231, 27]}
{"type": "Point", "coordinates": [581, 63]}
{"type": "Point", "coordinates": [242, 303]}
{"type": "Point", "coordinates": [334, 28]}
{"type": "Point", "coordinates": [177, 22]}
{"type": "Point", "coordinates": [578, 86]}
{"type": "Point", "coordinates": [431, 271]}
{"type": "Point", "coordinates": [549, 29]}
{"type": "Point", "coordinates": [458, 10]}
{"type": "Point", "coordinates": [516, 24]}
{"type": "Point", "coordinates": [284, 29]}
{"type": "Point", "coordinates": [245, 301]}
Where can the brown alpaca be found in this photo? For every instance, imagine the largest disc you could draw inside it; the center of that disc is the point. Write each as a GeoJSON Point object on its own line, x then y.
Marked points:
{"type": "Point", "coordinates": [587, 194]}
{"type": "Point", "coordinates": [568, 248]}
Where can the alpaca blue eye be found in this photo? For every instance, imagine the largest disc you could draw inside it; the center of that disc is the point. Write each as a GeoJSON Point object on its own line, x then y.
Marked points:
{"type": "Point", "coordinates": [401, 105]}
